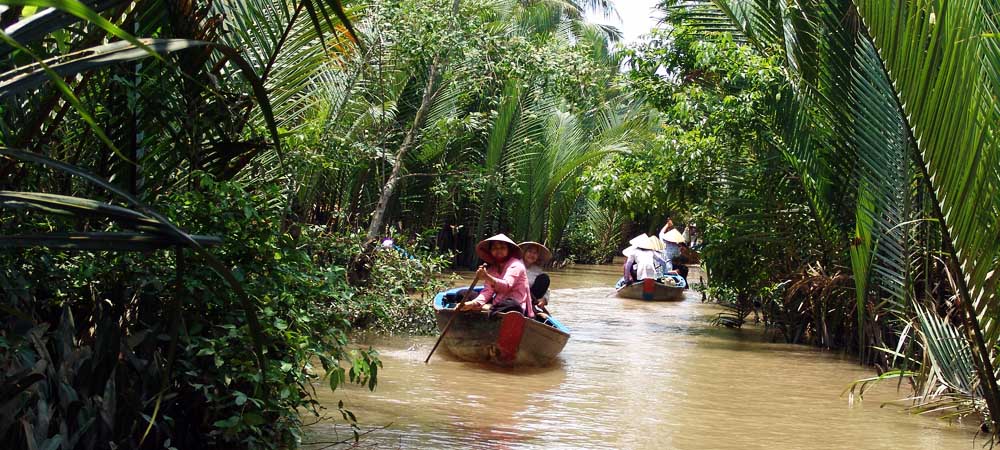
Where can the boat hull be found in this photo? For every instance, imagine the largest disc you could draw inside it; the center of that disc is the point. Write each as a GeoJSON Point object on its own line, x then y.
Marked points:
{"type": "Point", "coordinates": [652, 290]}
{"type": "Point", "coordinates": [507, 339]}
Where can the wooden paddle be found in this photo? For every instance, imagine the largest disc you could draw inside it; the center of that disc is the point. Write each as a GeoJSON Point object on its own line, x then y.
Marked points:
{"type": "Point", "coordinates": [447, 326]}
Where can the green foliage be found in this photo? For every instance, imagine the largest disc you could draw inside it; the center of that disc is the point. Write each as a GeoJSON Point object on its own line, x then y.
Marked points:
{"type": "Point", "coordinates": [272, 125]}
{"type": "Point", "coordinates": [594, 236]}
{"type": "Point", "coordinates": [402, 283]}
{"type": "Point", "coordinates": [213, 387]}
{"type": "Point", "coordinates": [879, 118]}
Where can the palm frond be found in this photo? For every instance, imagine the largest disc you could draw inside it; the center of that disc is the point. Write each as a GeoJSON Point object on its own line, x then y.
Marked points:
{"type": "Point", "coordinates": [943, 65]}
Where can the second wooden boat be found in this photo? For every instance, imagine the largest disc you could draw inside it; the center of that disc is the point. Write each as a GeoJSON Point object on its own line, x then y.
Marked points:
{"type": "Point", "coordinates": [669, 288]}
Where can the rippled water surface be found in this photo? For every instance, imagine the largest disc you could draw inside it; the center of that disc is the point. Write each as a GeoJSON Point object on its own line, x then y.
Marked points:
{"type": "Point", "coordinates": [634, 375]}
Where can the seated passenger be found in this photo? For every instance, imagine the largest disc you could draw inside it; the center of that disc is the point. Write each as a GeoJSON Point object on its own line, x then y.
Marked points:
{"type": "Point", "coordinates": [648, 259]}
{"type": "Point", "coordinates": [629, 275]}
{"type": "Point", "coordinates": [506, 280]}
{"type": "Point", "coordinates": [629, 269]}
{"type": "Point", "coordinates": [535, 256]}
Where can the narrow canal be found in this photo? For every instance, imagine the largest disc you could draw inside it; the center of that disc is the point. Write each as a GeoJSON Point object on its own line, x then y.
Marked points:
{"type": "Point", "coordinates": [634, 375]}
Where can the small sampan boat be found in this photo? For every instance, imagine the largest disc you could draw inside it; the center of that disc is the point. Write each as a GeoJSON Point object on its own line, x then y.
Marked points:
{"type": "Point", "coordinates": [507, 339]}
{"type": "Point", "coordinates": [668, 288]}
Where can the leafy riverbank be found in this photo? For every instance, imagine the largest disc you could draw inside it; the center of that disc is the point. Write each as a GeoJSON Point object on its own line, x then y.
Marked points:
{"type": "Point", "coordinates": [831, 199]}
{"type": "Point", "coordinates": [98, 336]}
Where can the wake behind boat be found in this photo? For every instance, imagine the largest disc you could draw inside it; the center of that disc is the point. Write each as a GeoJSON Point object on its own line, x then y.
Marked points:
{"type": "Point", "coordinates": [669, 287]}
{"type": "Point", "coordinates": [506, 339]}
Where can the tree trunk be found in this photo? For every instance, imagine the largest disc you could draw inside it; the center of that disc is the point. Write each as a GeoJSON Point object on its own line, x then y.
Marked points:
{"type": "Point", "coordinates": [378, 216]}
{"type": "Point", "coordinates": [430, 93]}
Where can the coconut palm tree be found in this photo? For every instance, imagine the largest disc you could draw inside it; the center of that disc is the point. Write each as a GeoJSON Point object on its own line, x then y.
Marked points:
{"type": "Point", "coordinates": [536, 19]}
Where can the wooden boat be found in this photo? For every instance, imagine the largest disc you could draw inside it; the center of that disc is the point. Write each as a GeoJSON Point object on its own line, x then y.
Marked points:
{"type": "Point", "coordinates": [507, 339]}
{"type": "Point", "coordinates": [653, 290]}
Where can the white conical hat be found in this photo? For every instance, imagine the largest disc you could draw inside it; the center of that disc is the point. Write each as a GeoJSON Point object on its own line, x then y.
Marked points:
{"type": "Point", "coordinates": [675, 237]}
{"type": "Point", "coordinates": [634, 244]}
{"type": "Point", "coordinates": [544, 255]}
{"type": "Point", "coordinates": [483, 247]}
{"type": "Point", "coordinates": [639, 240]}
{"type": "Point", "coordinates": [652, 243]}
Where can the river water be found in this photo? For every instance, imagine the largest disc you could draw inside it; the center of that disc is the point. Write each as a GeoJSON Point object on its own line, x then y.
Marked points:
{"type": "Point", "coordinates": [634, 375]}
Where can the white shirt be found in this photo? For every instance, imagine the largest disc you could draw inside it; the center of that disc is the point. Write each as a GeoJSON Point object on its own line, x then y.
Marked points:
{"type": "Point", "coordinates": [646, 264]}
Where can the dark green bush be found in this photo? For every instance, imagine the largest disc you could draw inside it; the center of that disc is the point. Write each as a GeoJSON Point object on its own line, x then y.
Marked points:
{"type": "Point", "coordinates": [87, 337]}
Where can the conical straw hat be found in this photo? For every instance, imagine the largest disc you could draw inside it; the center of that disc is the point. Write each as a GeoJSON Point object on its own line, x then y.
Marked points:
{"type": "Point", "coordinates": [635, 243]}
{"type": "Point", "coordinates": [639, 240]}
{"type": "Point", "coordinates": [544, 255]}
{"type": "Point", "coordinates": [483, 247]}
{"type": "Point", "coordinates": [652, 243]}
{"type": "Point", "coordinates": [675, 237]}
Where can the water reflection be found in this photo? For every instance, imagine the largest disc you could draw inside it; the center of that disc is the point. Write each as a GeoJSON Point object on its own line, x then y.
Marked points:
{"type": "Point", "coordinates": [634, 375]}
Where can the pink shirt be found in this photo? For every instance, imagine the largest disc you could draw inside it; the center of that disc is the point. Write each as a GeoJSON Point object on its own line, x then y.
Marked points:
{"type": "Point", "coordinates": [512, 283]}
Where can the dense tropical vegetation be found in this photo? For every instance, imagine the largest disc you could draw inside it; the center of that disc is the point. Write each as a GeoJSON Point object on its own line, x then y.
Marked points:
{"type": "Point", "coordinates": [840, 158]}
{"type": "Point", "coordinates": [193, 195]}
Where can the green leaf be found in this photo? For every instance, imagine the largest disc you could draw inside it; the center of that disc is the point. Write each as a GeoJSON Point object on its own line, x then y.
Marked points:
{"type": "Point", "coordinates": [227, 423]}
{"type": "Point", "coordinates": [253, 419]}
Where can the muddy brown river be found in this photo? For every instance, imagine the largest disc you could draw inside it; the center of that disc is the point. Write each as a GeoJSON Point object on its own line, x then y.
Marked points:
{"type": "Point", "coordinates": [634, 375]}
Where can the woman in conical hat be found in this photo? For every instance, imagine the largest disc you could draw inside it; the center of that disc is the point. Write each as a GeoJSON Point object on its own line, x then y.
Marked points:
{"type": "Point", "coordinates": [535, 257]}
{"type": "Point", "coordinates": [634, 244]}
{"type": "Point", "coordinates": [648, 260]}
{"type": "Point", "coordinates": [673, 239]}
{"type": "Point", "coordinates": [505, 278]}
{"type": "Point", "coordinates": [629, 275]}
{"type": "Point", "coordinates": [672, 251]}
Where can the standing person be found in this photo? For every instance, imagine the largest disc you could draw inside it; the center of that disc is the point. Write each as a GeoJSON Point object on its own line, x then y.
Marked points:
{"type": "Point", "coordinates": [506, 279]}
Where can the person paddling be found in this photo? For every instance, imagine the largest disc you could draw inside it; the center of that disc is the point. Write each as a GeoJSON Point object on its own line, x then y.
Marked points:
{"type": "Point", "coordinates": [506, 279]}
{"type": "Point", "coordinates": [672, 253]}
{"type": "Point", "coordinates": [535, 257]}
{"type": "Point", "coordinates": [629, 275]}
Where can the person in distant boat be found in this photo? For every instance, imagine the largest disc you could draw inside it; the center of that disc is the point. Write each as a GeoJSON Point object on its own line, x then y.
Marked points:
{"type": "Point", "coordinates": [535, 257]}
{"type": "Point", "coordinates": [506, 279]}
{"type": "Point", "coordinates": [648, 259]}
{"type": "Point", "coordinates": [673, 240]}
{"type": "Point", "coordinates": [671, 248]}
{"type": "Point", "coordinates": [628, 275]}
